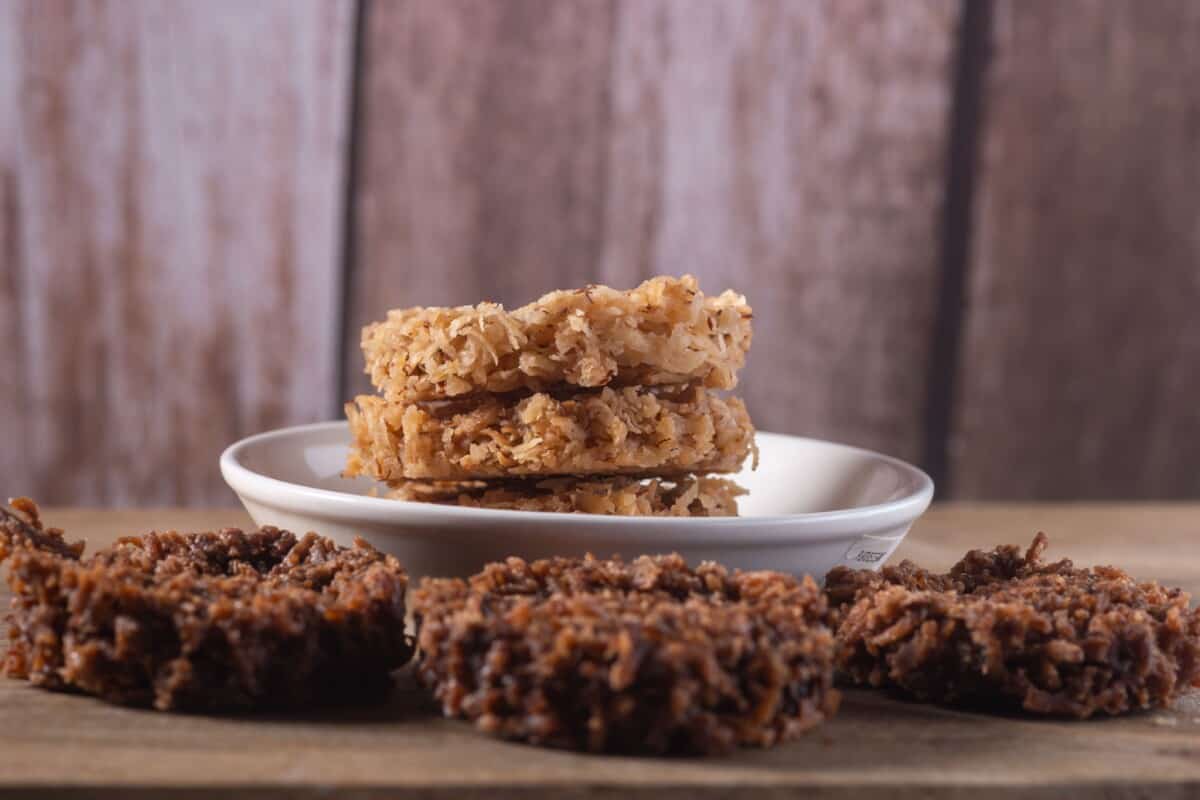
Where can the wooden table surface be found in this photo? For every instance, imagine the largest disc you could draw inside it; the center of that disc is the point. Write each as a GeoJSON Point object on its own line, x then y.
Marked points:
{"type": "Point", "coordinates": [55, 744]}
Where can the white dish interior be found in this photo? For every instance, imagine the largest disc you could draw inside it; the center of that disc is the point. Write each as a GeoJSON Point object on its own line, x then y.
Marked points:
{"type": "Point", "coordinates": [811, 505]}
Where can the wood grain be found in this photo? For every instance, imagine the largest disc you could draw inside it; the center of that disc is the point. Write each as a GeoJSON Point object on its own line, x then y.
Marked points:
{"type": "Point", "coordinates": [173, 179]}
{"type": "Point", "coordinates": [792, 150]}
{"type": "Point", "coordinates": [1078, 375]}
{"type": "Point", "coordinates": [56, 744]}
{"type": "Point", "coordinates": [169, 196]}
{"type": "Point", "coordinates": [482, 154]}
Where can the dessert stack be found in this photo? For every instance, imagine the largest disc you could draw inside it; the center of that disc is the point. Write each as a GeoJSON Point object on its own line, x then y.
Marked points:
{"type": "Point", "coordinates": [593, 400]}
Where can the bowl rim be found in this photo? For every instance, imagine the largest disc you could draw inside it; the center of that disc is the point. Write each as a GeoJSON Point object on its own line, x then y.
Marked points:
{"type": "Point", "coordinates": [327, 503]}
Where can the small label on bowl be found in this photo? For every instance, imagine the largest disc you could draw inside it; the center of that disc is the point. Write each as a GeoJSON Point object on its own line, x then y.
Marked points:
{"type": "Point", "coordinates": [870, 552]}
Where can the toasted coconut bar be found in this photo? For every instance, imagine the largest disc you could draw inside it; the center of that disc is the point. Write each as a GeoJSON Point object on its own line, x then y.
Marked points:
{"type": "Point", "coordinates": [630, 431]}
{"type": "Point", "coordinates": [663, 332]}
{"type": "Point", "coordinates": [688, 496]}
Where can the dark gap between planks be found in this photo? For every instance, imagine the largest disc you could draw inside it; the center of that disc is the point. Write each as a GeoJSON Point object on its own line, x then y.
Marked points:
{"type": "Point", "coordinates": [349, 243]}
{"type": "Point", "coordinates": [966, 113]}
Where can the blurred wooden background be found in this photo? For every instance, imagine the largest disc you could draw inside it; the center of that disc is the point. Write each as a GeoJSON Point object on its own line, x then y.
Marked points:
{"type": "Point", "coordinates": [970, 229]}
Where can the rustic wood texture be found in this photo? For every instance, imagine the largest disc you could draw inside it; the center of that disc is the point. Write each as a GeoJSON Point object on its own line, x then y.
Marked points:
{"type": "Point", "coordinates": [792, 150]}
{"type": "Point", "coordinates": [170, 181]}
{"type": "Point", "coordinates": [1078, 374]}
{"type": "Point", "coordinates": [482, 158]}
{"type": "Point", "coordinates": [173, 187]}
{"type": "Point", "coordinates": [876, 746]}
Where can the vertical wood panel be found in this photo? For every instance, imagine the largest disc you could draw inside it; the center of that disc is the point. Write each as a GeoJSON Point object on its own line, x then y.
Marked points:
{"type": "Point", "coordinates": [14, 398]}
{"type": "Point", "coordinates": [482, 154]}
{"type": "Point", "coordinates": [1079, 369]}
{"type": "Point", "coordinates": [170, 179]}
{"type": "Point", "coordinates": [795, 151]}
{"type": "Point", "coordinates": [792, 150]}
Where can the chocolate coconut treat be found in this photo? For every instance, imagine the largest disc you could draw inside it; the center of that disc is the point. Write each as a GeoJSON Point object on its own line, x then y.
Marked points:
{"type": "Point", "coordinates": [1005, 629]}
{"type": "Point", "coordinates": [641, 657]}
{"type": "Point", "coordinates": [202, 621]}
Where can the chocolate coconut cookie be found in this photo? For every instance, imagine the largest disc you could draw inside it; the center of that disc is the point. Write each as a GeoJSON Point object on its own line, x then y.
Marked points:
{"type": "Point", "coordinates": [202, 621]}
{"type": "Point", "coordinates": [648, 656]}
{"type": "Point", "coordinates": [1002, 628]}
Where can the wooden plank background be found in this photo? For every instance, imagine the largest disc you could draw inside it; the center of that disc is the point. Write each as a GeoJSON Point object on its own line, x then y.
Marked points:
{"type": "Point", "coordinates": [791, 150]}
{"type": "Point", "coordinates": [171, 177]}
{"type": "Point", "coordinates": [1081, 359]}
{"type": "Point", "coordinates": [200, 204]}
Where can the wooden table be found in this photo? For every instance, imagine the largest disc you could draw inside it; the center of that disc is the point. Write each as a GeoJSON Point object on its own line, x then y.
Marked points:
{"type": "Point", "coordinates": [54, 744]}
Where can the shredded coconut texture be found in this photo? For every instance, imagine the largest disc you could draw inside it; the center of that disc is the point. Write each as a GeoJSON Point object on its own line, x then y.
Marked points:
{"type": "Point", "coordinates": [641, 657]}
{"type": "Point", "coordinates": [204, 621]}
{"type": "Point", "coordinates": [1002, 629]}
{"type": "Point", "coordinates": [688, 496]}
{"type": "Point", "coordinates": [665, 331]}
{"type": "Point", "coordinates": [630, 431]}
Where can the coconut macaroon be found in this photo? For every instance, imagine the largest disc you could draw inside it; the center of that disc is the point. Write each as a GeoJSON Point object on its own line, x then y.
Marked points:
{"type": "Point", "coordinates": [641, 657]}
{"type": "Point", "coordinates": [687, 496]}
{"type": "Point", "coordinates": [1005, 629]}
{"type": "Point", "coordinates": [665, 331]}
{"type": "Point", "coordinates": [205, 621]}
{"type": "Point", "coordinates": [630, 431]}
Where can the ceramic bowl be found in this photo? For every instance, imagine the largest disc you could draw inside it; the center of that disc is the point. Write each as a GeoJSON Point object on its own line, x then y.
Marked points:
{"type": "Point", "coordinates": [812, 505]}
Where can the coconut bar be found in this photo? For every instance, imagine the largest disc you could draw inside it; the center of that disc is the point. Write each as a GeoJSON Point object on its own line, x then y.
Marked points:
{"type": "Point", "coordinates": [641, 657]}
{"type": "Point", "coordinates": [629, 431]}
{"type": "Point", "coordinates": [687, 496]}
{"type": "Point", "coordinates": [663, 332]}
{"type": "Point", "coordinates": [1004, 630]}
{"type": "Point", "coordinates": [205, 621]}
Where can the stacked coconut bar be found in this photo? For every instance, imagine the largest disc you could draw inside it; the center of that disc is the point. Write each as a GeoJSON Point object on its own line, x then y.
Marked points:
{"type": "Point", "coordinates": [593, 400]}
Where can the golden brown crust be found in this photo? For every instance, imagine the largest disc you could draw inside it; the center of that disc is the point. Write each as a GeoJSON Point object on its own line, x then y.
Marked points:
{"type": "Point", "coordinates": [203, 621]}
{"type": "Point", "coordinates": [1006, 629]}
{"type": "Point", "coordinates": [648, 656]}
{"type": "Point", "coordinates": [687, 496]}
{"type": "Point", "coordinates": [665, 331]}
{"type": "Point", "coordinates": [629, 431]}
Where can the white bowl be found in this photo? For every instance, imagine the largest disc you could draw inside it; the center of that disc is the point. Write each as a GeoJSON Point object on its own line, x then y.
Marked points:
{"type": "Point", "coordinates": [812, 505]}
